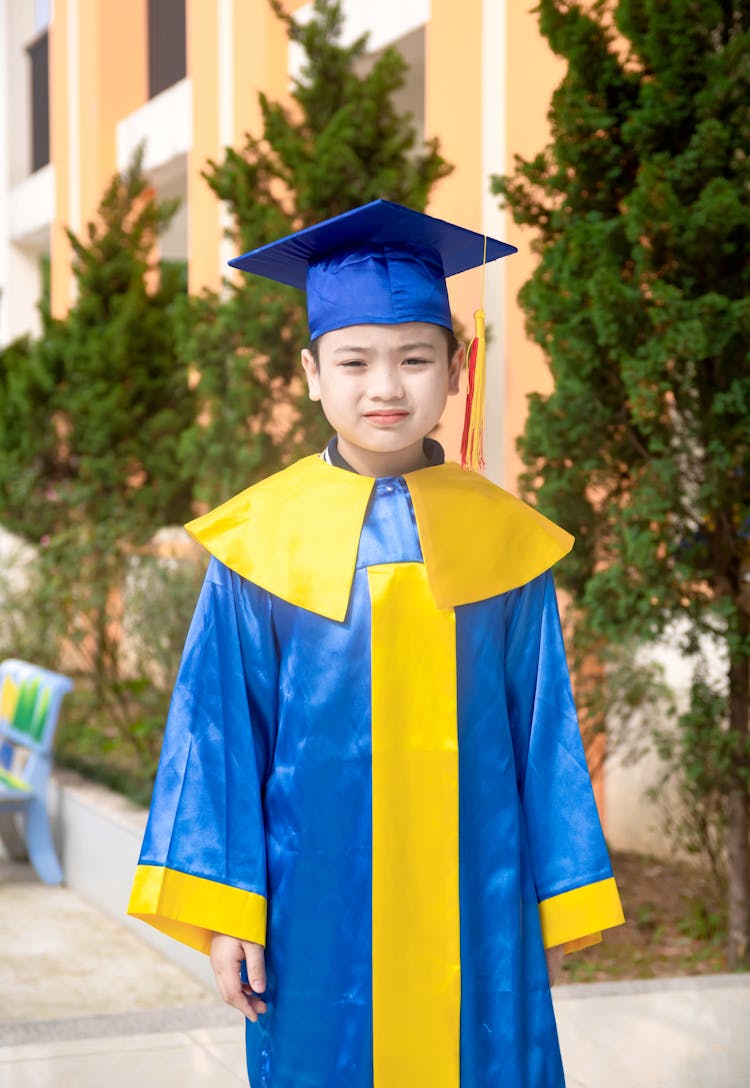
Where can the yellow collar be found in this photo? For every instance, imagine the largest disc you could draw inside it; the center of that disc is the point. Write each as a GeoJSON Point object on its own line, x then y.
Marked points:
{"type": "Point", "coordinates": [296, 535]}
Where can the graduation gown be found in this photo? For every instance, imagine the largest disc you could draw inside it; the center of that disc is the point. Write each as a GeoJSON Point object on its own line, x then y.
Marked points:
{"type": "Point", "coordinates": [372, 765]}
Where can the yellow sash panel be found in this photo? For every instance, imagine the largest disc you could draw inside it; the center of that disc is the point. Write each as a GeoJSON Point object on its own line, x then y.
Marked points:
{"type": "Point", "coordinates": [416, 956]}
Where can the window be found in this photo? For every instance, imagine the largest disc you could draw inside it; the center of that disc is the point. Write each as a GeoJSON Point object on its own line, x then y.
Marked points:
{"type": "Point", "coordinates": [38, 56]}
{"type": "Point", "coordinates": [166, 44]}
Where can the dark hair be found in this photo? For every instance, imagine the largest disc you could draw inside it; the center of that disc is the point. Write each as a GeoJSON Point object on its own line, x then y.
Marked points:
{"type": "Point", "coordinates": [451, 344]}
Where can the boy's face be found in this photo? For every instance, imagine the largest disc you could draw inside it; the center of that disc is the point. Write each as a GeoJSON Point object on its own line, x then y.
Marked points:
{"type": "Point", "coordinates": [383, 388]}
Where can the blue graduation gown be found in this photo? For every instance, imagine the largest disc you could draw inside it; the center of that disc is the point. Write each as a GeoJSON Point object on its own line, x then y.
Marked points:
{"type": "Point", "coordinates": [394, 800]}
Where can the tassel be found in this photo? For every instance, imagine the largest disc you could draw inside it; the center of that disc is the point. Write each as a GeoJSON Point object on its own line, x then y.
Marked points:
{"type": "Point", "coordinates": [472, 442]}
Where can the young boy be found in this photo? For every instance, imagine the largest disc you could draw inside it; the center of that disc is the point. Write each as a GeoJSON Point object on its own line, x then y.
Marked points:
{"type": "Point", "coordinates": [372, 765]}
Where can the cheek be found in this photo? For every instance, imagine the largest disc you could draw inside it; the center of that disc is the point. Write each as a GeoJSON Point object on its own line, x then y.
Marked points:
{"type": "Point", "coordinates": [336, 402]}
{"type": "Point", "coordinates": [440, 391]}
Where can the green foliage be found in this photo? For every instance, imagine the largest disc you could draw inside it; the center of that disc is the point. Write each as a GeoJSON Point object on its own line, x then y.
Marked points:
{"type": "Point", "coordinates": [160, 595]}
{"type": "Point", "coordinates": [123, 399]}
{"type": "Point", "coordinates": [699, 752]}
{"type": "Point", "coordinates": [28, 447]}
{"type": "Point", "coordinates": [641, 206]}
{"type": "Point", "coordinates": [647, 918]}
{"type": "Point", "coordinates": [28, 621]}
{"type": "Point", "coordinates": [90, 419]}
{"type": "Point", "coordinates": [701, 924]}
{"type": "Point", "coordinates": [341, 143]}
{"type": "Point", "coordinates": [90, 415]}
{"type": "Point", "coordinates": [122, 750]}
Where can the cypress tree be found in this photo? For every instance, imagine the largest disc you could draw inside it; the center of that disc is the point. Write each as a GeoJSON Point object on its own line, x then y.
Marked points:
{"type": "Point", "coordinates": [641, 302]}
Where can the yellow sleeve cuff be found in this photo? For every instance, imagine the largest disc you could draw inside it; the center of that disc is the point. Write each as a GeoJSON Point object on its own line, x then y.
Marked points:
{"type": "Point", "coordinates": [581, 943]}
{"type": "Point", "coordinates": [191, 908]}
{"type": "Point", "coordinates": [580, 915]}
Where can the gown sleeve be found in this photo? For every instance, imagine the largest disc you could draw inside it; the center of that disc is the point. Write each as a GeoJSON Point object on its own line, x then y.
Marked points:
{"type": "Point", "coordinates": [576, 890]}
{"type": "Point", "coordinates": [202, 867]}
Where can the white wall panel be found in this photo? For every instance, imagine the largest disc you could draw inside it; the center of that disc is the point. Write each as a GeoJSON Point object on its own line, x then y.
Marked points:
{"type": "Point", "coordinates": [164, 124]}
{"type": "Point", "coordinates": [385, 23]}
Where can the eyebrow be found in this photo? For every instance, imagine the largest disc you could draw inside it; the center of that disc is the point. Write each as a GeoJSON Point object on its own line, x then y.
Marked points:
{"type": "Point", "coordinates": [349, 348]}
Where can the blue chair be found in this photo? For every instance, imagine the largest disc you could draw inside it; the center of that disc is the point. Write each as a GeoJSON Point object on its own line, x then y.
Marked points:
{"type": "Point", "coordinates": [30, 700]}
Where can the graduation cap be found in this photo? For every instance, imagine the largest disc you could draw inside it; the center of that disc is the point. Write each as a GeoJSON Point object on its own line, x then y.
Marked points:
{"type": "Point", "coordinates": [384, 264]}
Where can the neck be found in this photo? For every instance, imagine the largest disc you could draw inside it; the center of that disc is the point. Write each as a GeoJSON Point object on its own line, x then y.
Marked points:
{"type": "Point", "coordinates": [372, 463]}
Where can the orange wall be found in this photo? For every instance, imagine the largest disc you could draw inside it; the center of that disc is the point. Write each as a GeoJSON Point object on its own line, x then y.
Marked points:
{"type": "Point", "coordinates": [453, 87]}
{"type": "Point", "coordinates": [112, 82]}
{"type": "Point", "coordinates": [59, 137]}
{"type": "Point", "coordinates": [532, 74]}
{"type": "Point", "coordinates": [202, 64]}
{"type": "Point", "coordinates": [256, 56]}
{"type": "Point", "coordinates": [259, 63]}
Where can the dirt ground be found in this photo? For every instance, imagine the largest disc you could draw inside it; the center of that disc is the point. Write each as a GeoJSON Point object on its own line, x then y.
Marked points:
{"type": "Point", "coordinates": [676, 925]}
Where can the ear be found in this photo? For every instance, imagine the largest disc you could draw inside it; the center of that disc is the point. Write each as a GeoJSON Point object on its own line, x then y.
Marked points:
{"type": "Point", "coordinates": [311, 373]}
{"type": "Point", "coordinates": [455, 367]}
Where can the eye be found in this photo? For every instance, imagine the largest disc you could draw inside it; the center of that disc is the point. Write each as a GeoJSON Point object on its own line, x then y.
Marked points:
{"type": "Point", "coordinates": [352, 364]}
{"type": "Point", "coordinates": [416, 361]}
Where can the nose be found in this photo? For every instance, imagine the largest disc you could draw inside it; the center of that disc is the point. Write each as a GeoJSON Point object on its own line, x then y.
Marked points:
{"type": "Point", "coordinates": [385, 383]}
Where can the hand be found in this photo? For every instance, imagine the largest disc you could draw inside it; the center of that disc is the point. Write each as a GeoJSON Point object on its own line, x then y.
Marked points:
{"type": "Point", "coordinates": [227, 956]}
{"type": "Point", "coordinates": [554, 962]}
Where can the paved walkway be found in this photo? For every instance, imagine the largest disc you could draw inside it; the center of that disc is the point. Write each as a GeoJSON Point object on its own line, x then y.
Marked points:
{"type": "Point", "coordinates": [84, 1004]}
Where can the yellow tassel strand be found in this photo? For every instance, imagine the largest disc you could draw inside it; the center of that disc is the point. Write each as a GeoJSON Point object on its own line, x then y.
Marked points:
{"type": "Point", "coordinates": [472, 441]}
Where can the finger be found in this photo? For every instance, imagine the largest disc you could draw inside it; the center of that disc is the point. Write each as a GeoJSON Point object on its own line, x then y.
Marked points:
{"type": "Point", "coordinates": [228, 981]}
{"type": "Point", "coordinates": [226, 957]}
{"type": "Point", "coordinates": [246, 1002]}
{"type": "Point", "coordinates": [255, 962]}
{"type": "Point", "coordinates": [247, 1007]}
{"type": "Point", "coordinates": [258, 1001]}
{"type": "Point", "coordinates": [252, 1008]}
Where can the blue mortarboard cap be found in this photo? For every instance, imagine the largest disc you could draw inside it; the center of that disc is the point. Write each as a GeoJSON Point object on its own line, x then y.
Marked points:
{"type": "Point", "coordinates": [379, 264]}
